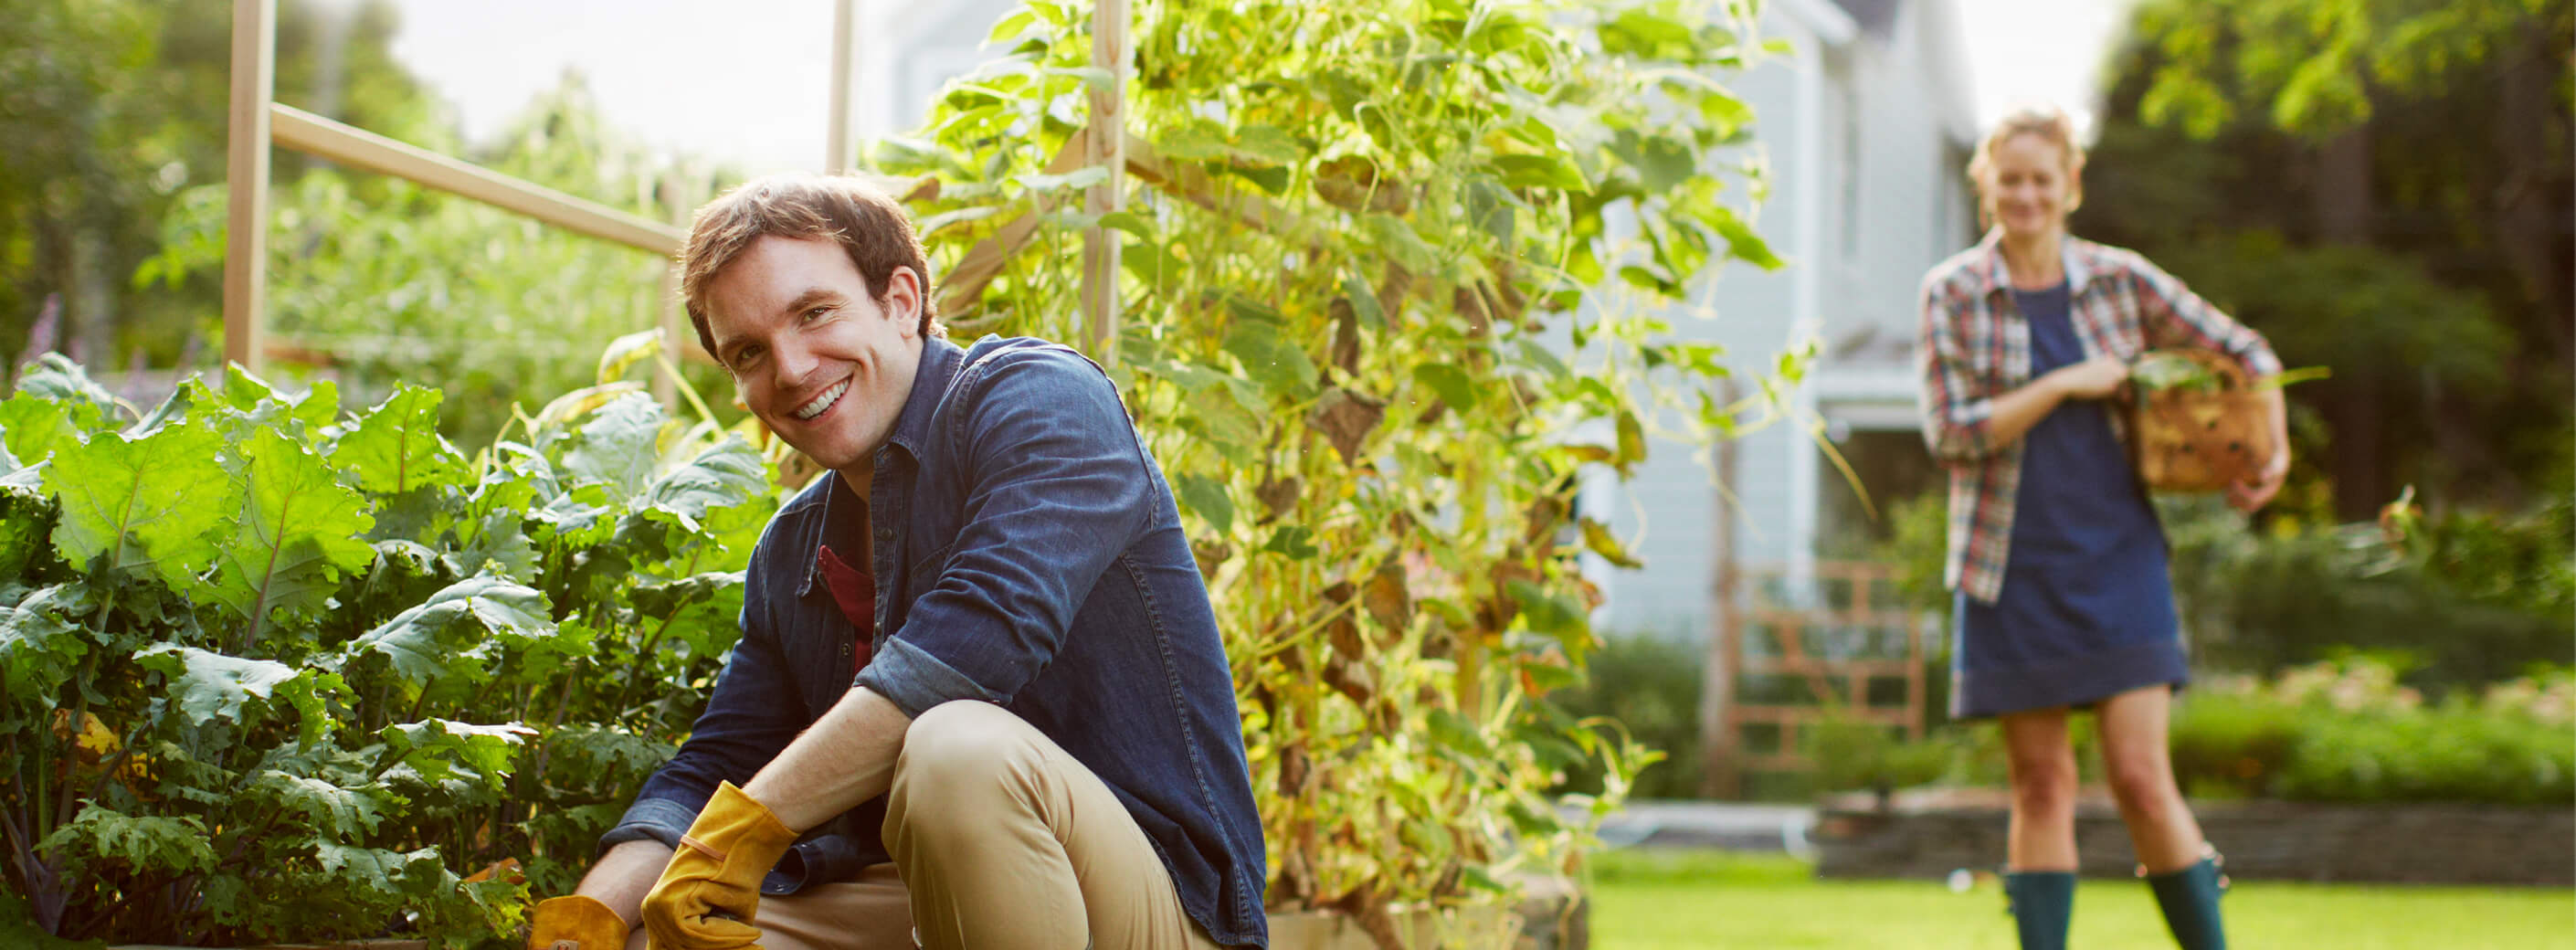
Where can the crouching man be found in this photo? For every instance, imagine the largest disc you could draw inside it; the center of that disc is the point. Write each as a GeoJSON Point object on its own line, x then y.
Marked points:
{"type": "Point", "coordinates": [980, 699]}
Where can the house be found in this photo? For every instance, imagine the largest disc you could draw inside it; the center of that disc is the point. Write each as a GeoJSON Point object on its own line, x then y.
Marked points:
{"type": "Point", "coordinates": [1868, 124]}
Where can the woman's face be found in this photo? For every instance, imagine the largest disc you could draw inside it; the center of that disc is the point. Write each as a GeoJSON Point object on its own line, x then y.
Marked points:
{"type": "Point", "coordinates": [2028, 184]}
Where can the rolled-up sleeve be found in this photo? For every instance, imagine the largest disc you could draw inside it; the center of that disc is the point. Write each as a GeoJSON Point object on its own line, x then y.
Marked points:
{"type": "Point", "coordinates": [1058, 486]}
{"type": "Point", "coordinates": [1954, 409]}
{"type": "Point", "coordinates": [2177, 316]}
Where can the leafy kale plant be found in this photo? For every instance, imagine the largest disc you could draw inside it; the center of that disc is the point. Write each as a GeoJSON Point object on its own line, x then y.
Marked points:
{"type": "Point", "coordinates": [270, 670]}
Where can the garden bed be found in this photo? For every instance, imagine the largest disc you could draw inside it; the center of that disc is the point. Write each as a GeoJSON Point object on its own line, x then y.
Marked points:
{"type": "Point", "coordinates": [1930, 833]}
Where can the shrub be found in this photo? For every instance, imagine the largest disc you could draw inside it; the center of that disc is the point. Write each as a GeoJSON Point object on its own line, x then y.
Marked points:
{"type": "Point", "coordinates": [1651, 687]}
{"type": "Point", "coordinates": [2470, 597]}
{"type": "Point", "coordinates": [1853, 753]}
{"type": "Point", "coordinates": [2346, 732]}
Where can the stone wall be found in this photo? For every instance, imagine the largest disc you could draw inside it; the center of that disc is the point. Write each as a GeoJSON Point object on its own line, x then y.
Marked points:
{"type": "Point", "coordinates": [1932, 835]}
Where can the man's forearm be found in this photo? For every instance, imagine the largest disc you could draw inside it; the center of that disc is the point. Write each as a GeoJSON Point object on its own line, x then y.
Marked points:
{"type": "Point", "coordinates": [845, 758]}
{"type": "Point", "coordinates": [624, 875]}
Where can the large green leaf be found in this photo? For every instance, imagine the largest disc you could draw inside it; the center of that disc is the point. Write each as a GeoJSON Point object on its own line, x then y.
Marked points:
{"type": "Point", "coordinates": [1555, 616]}
{"type": "Point", "coordinates": [418, 642]}
{"type": "Point", "coordinates": [154, 843]}
{"type": "Point", "coordinates": [580, 517]}
{"type": "Point", "coordinates": [212, 685]}
{"type": "Point", "coordinates": [245, 405]}
{"type": "Point", "coordinates": [1450, 383]}
{"type": "Point", "coordinates": [699, 611]}
{"type": "Point", "coordinates": [26, 517]}
{"type": "Point", "coordinates": [1270, 358]}
{"type": "Point", "coordinates": [437, 748]}
{"type": "Point", "coordinates": [724, 475]}
{"type": "Point", "coordinates": [300, 531]}
{"type": "Point", "coordinates": [30, 428]}
{"type": "Point", "coordinates": [396, 447]}
{"type": "Point", "coordinates": [1207, 498]}
{"type": "Point", "coordinates": [619, 445]}
{"type": "Point", "coordinates": [331, 809]}
{"type": "Point", "coordinates": [150, 503]}
{"type": "Point", "coordinates": [489, 536]}
{"type": "Point", "coordinates": [416, 872]}
{"type": "Point", "coordinates": [40, 644]}
{"type": "Point", "coordinates": [55, 377]}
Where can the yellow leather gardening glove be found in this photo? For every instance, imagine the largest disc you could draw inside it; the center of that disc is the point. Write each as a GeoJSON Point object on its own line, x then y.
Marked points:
{"type": "Point", "coordinates": [709, 893]}
{"type": "Point", "coordinates": [575, 923]}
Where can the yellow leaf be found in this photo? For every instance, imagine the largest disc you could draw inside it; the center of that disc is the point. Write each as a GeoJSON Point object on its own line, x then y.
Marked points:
{"type": "Point", "coordinates": [579, 402]}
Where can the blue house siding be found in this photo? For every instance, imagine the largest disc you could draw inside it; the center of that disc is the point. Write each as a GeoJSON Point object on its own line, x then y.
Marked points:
{"type": "Point", "coordinates": [1864, 129]}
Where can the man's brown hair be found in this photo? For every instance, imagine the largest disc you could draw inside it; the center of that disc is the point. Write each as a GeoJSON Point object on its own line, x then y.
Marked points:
{"type": "Point", "coordinates": [869, 226]}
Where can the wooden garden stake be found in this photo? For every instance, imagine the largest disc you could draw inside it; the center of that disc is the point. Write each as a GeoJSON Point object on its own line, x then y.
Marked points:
{"type": "Point", "coordinates": [254, 74]}
{"type": "Point", "coordinates": [1106, 147]}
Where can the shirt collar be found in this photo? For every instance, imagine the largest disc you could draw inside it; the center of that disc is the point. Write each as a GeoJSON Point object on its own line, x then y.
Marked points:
{"type": "Point", "coordinates": [1997, 278]}
{"type": "Point", "coordinates": [939, 363]}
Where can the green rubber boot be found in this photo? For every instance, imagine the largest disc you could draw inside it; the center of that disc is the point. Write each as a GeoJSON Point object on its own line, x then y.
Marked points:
{"type": "Point", "coordinates": [2041, 903]}
{"type": "Point", "coordinates": [2189, 898]}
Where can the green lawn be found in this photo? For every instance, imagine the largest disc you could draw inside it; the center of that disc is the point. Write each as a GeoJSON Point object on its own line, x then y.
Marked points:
{"type": "Point", "coordinates": [1667, 900]}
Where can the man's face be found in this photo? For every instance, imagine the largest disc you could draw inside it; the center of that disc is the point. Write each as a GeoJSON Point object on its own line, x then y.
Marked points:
{"type": "Point", "coordinates": [810, 349]}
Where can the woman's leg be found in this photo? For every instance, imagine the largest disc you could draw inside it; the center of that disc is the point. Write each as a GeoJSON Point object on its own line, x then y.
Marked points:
{"type": "Point", "coordinates": [2140, 765]}
{"type": "Point", "coordinates": [2042, 764]}
{"type": "Point", "coordinates": [2040, 873]}
{"type": "Point", "coordinates": [2181, 868]}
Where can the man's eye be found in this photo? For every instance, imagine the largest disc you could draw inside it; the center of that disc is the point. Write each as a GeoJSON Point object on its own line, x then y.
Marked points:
{"type": "Point", "coordinates": [816, 314]}
{"type": "Point", "coordinates": [745, 357]}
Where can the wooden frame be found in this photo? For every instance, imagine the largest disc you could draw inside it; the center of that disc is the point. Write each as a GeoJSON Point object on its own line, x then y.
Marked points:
{"type": "Point", "coordinates": [305, 132]}
{"type": "Point", "coordinates": [1834, 682]}
{"type": "Point", "coordinates": [256, 122]}
{"type": "Point", "coordinates": [246, 174]}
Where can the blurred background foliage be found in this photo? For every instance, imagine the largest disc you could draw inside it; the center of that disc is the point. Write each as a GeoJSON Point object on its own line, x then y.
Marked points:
{"type": "Point", "coordinates": [2386, 188]}
{"type": "Point", "coordinates": [112, 204]}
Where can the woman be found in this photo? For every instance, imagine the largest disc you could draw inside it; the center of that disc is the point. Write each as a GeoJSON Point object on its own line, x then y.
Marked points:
{"type": "Point", "coordinates": [2063, 600]}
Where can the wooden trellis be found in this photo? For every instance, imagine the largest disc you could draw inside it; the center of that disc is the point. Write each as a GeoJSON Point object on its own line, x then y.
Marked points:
{"type": "Point", "coordinates": [1838, 685]}
{"type": "Point", "coordinates": [257, 122]}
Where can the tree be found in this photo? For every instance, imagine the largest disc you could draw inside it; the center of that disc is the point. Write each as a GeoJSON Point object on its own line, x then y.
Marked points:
{"type": "Point", "coordinates": [117, 106]}
{"type": "Point", "coordinates": [2384, 187]}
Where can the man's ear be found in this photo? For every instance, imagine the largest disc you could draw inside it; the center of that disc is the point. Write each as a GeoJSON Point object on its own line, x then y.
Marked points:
{"type": "Point", "coordinates": [903, 299]}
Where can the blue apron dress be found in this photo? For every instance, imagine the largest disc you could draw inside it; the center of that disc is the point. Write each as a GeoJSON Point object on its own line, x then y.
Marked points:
{"type": "Point", "coordinates": [2087, 606]}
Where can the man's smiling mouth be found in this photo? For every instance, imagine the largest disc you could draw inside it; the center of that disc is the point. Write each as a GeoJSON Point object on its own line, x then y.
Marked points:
{"type": "Point", "coordinates": [822, 402]}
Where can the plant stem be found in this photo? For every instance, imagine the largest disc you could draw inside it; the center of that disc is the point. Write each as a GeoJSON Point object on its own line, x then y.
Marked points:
{"type": "Point", "coordinates": [681, 383]}
{"type": "Point", "coordinates": [563, 703]}
{"type": "Point", "coordinates": [79, 724]}
{"type": "Point", "coordinates": [41, 890]}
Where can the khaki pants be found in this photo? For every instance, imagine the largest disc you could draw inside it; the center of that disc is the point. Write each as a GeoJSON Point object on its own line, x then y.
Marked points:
{"type": "Point", "coordinates": [1002, 842]}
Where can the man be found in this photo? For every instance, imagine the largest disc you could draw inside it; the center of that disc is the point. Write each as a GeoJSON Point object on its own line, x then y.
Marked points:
{"type": "Point", "coordinates": [978, 649]}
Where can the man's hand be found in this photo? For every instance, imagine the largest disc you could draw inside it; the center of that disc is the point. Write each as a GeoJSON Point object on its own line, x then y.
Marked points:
{"type": "Point", "coordinates": [709, 894]}
{"type": "Point", "coordinates": [575, 922]}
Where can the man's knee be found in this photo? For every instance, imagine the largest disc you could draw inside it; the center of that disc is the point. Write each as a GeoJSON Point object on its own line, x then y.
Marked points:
{"type": "Point", "coordinates": [962, 749]}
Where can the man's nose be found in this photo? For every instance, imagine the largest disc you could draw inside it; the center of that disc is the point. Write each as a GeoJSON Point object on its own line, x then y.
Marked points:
{"type": "Point", "coordinates": [794, 363]}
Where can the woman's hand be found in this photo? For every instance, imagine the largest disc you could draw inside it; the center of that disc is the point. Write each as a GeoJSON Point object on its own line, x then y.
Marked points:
{"type": "Point", "coordinates": [2250, 494]}
{"type": "Point", "coordinates": [2096, 378]}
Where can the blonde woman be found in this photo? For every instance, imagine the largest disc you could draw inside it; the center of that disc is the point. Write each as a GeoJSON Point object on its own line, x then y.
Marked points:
{"type": "Point", "coordinates": [2063, 597]}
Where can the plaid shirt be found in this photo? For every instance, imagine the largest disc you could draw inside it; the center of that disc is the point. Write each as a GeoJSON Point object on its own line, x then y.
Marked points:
{"type": "Point", "coordinates": [1975, 346]}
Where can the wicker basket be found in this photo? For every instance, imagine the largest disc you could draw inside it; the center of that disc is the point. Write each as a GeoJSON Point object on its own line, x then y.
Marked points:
{"type": "Point", "coordinates": [2188, 440]}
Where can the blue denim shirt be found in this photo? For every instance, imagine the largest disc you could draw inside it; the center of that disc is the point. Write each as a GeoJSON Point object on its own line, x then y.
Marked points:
{"type": "Point", "coordinates": [1027, 553]}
